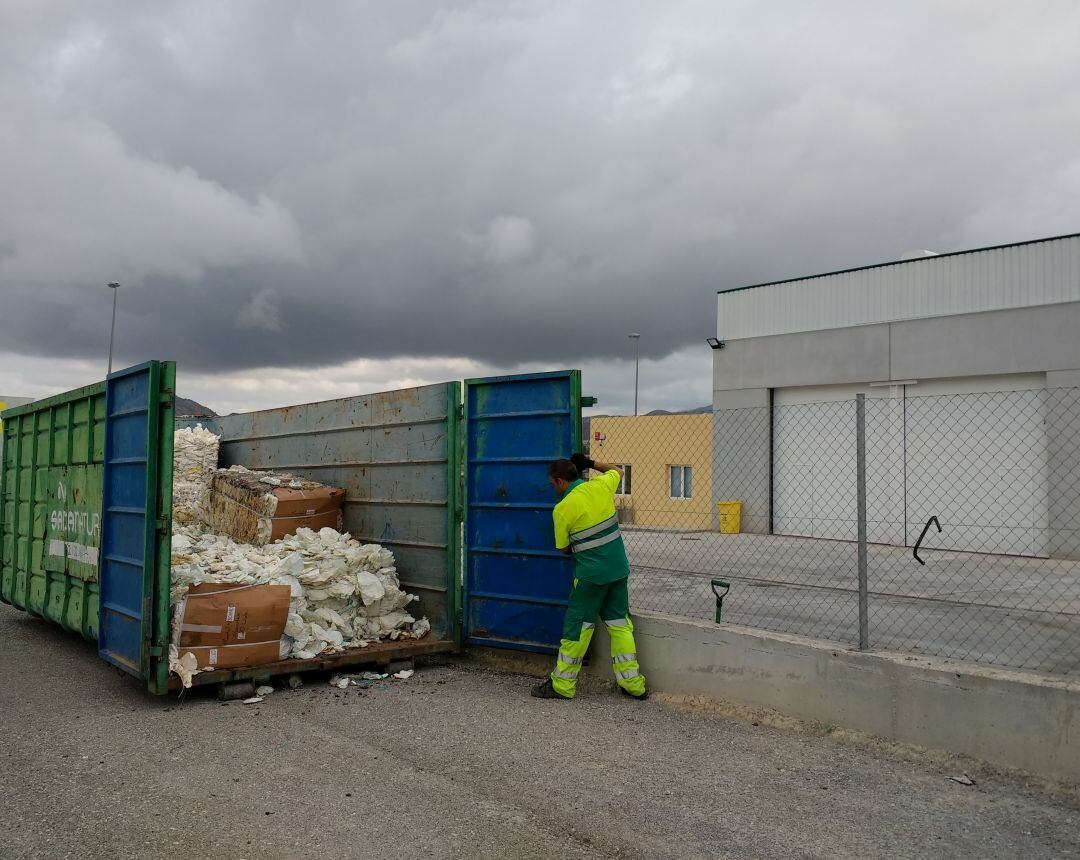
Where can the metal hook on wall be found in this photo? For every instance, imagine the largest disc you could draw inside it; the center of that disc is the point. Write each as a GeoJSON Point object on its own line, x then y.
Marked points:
{"type": "Point", "coordinates": [918, 543]}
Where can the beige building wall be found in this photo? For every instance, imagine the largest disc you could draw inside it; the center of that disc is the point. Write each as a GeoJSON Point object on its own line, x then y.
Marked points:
{"type": "Point", "coordinates": [650, 445]}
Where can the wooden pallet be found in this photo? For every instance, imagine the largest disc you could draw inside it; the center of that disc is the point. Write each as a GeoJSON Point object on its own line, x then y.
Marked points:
{"type": "Point", "coordinates": [375, 654]}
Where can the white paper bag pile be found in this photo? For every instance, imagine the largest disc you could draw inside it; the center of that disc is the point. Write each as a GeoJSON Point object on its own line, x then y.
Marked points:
{"type": "Point", "coordinates": [344, 594]}
{"type": "Point", "coordinates": [195, 459]}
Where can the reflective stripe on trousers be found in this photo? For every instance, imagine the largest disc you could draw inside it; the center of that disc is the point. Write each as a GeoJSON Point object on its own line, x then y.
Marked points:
{"type": "Point", "coordinates": [624, 662]}
{"type": "Point", "coordinates": [569, 660]}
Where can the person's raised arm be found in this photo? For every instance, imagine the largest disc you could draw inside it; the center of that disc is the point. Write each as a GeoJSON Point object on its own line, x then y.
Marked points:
{"type": "Point", "coordinates": [582, 463]}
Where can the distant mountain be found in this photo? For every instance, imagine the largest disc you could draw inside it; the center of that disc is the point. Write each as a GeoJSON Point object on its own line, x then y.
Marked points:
{"type": "Point", "coordinates": [700, 410]}
{"type": "Point", "coordinates": [187, 407]}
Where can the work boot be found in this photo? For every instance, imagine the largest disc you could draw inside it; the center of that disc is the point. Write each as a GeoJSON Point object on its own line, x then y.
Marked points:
{"type": "Point", "coordinates": [640, 698]}
{"type": "Point", "coordinates": [547, 691]}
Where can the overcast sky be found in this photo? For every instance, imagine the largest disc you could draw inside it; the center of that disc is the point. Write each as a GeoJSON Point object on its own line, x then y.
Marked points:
{"type": "Point", "coordinates": [311, 200]}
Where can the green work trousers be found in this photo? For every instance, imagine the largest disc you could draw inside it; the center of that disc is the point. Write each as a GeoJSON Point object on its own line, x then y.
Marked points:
{"type": "Point", "coordinates": [611, 603]}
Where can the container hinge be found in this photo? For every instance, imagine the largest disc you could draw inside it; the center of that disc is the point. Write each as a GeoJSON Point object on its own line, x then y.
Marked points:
{"type": "Point", "coordinates": [166, 399]}
{"type": "Point", "coordinates": [161, 524]}
{"type": "Point", "coordinates": [156, 651]}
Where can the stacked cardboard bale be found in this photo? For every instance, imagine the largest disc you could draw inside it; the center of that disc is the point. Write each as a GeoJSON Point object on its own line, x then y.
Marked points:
{"type": "Point", "coordinates": [260, 507]}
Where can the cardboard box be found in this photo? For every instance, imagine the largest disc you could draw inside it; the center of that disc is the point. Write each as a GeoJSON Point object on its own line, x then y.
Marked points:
{"type": "Point", "coordinates": [219, 614]}
{"type": "Point", "coordinates": [315, 508]}
{"type": "Point", "coordinates": [235, 656]}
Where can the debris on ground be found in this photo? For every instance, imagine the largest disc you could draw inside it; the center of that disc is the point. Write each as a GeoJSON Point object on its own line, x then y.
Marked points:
{"type": "Point", "coordinates": [963, 779]}
{"type": "Point", "coordinates": [295, 682]}
{"type": "Point", "coordinates": [264, 690]}
{"type": "Point", "coordinates": [365, 679]}
{"type": "Point", "coordinates": [254, 700]}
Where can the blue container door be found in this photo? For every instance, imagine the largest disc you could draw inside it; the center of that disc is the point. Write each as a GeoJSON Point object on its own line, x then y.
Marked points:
{"type": "Point", "coordinates": [131, 498]}
{"type": "Point", "coordinates": [516, 582]}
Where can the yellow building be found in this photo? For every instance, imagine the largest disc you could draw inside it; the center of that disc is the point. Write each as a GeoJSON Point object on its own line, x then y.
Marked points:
{"type": "Point", "coordinates": [669, 480]}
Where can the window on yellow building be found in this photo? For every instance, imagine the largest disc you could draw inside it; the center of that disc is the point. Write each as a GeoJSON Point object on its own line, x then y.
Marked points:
{"type": "Point", "coordinates": [625, 484]}
{"type": "Point", "coordinates": [681, 479]}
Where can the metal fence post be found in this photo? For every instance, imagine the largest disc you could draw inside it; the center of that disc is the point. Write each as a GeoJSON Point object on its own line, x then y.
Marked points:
{"type": "Point", "coordinates": [860, 479]}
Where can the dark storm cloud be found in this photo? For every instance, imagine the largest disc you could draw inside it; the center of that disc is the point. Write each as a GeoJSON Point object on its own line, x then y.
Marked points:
{"type": "Point", "coordinates": [302, 184]}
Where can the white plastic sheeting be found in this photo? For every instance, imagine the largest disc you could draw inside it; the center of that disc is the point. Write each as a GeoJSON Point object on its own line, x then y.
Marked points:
{"type": "Point", "coordinates": [344, 594]}
{"type": "Point", "coordinates": [185, 667]}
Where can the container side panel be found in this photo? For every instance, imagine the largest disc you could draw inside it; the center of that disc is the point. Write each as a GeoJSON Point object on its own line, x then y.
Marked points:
{"type": "Point", "coordinates": [50, 507]}
{"type": "Point", "coordinates": [210, 424]}
{"type": "Point", "coordinates": [393, 454]}
{"type": "Point", "coordinates": [516, 583]}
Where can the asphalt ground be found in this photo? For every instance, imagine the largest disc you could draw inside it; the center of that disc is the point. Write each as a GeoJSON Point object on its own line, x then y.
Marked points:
{"type": "Point", "coordinates": [1000, 610]}
{"type": "Point", "coordinates": [459, 762]}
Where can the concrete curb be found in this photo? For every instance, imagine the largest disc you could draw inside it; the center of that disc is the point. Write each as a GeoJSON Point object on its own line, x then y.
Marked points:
{"type": "Point", "coordinates": [1007, 718]}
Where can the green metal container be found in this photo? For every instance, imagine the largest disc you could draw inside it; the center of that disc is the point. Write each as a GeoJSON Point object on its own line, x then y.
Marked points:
{"type": "Point", "coordinates": [50, 507]}
{"type": "Point", "coordinates": [86, 506]}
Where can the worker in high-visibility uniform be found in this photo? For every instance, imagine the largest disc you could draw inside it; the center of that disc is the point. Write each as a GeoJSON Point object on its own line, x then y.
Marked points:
{"type": "Point", "coordinates": [587, 527]}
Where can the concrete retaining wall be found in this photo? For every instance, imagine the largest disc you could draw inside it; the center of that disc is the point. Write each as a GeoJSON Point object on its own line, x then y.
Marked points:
{"type": "Point", "coordinates": [1011, 719]}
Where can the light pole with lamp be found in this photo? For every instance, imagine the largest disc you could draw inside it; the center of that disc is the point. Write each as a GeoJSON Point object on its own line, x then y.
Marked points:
{"type": "Point", "coordinates": [115, 287]}
{"type": "Point", "coordinates": [636, 338]}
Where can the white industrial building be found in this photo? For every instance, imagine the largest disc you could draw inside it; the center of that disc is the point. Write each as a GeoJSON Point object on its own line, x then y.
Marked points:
{"type": "Point", "coordinates": [970, 364]}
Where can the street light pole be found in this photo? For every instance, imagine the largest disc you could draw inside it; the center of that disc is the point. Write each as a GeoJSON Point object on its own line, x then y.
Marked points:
{"type": "Point", "coordinates": [636, 338]}
{"type": "Point", "coordinates": [115, 287]}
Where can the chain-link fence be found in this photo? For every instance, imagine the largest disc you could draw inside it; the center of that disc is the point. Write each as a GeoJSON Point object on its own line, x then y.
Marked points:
{"type": "Point", "coordinates": [944, 525]}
